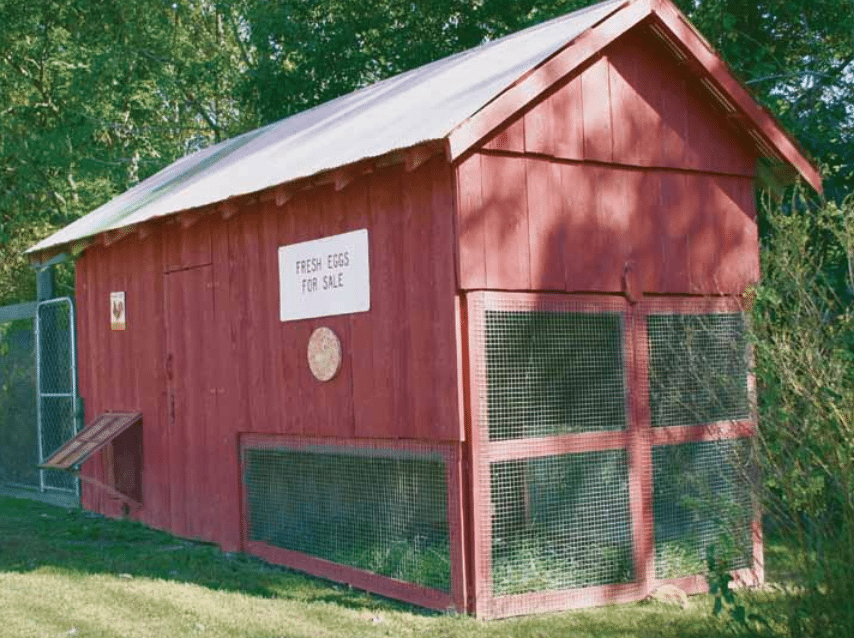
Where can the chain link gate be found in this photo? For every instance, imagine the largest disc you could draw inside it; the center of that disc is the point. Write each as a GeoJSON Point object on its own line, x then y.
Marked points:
{"type": "Point", "coordinates": [58, 413]}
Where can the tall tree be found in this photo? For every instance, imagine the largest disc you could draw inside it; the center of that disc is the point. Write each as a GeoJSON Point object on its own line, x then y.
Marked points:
{"type": "Point", "coordinates": [310, 52]}
{"type": "Point", "coordinates": [797, 56]}
{"type": "Point", "coordinates": [98, 95]}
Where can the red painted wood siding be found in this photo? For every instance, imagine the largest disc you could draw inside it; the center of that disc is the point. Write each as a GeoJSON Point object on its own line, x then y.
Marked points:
{"type": "Point", "coordinates": [622, 171]}
{"type": "Point", "coordinates": [192, 402]}
{"type": "Point", "coordinates": [210, 297]}
{"type": "Point", "coordinates": [125, 370]}
{"type": "Point", "coordinates": [188, 249]}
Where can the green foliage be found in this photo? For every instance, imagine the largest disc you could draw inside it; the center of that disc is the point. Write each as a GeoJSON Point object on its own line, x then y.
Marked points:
{"type": "Point", "coordinates": [306, 53]}
{"type": "Point", "coordinates": [68, 572]}
{"type": "Point", "coordinates": [18, 444]}
{"type": "Point", "coordinates": [804, 349]}
{"type": "Point", "coordinates": [675, 559]}
{"type": "Point", "coordinates": [96, 96]}
{"type": "Point", "coordinates": [17, 280]}
{"type": "Point", "coordinates": [796, 57]}
{"type": "Point", "coordinates": [727, 602]}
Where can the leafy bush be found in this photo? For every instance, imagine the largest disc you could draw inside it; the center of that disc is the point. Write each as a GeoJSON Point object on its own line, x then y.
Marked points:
{"type": "Point", "coordinates": [803, 322]}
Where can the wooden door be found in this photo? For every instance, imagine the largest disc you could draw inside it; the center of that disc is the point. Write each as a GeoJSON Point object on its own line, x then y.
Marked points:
{"type": "Point", "coordinates": [191, 401]}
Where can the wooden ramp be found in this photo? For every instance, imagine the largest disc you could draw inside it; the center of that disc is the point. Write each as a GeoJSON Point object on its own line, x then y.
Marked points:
{"type": "Point", "coordinates": [100, 432]}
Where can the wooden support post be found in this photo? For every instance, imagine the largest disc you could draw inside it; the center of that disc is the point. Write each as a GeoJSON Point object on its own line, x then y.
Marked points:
{"type": "Point", "coordinates": [44, 283]}
{"type": "Point", "coordinates": [108, 489]}
{"type": "Point", "coordinates": [640, 451]}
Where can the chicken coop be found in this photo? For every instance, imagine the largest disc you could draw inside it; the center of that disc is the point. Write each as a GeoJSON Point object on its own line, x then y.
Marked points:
{"type": "Point", "coordinates": [472, 337]}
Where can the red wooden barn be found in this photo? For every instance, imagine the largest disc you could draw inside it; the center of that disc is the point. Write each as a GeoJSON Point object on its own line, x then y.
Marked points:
{"type": "Point", "coordinates": [470, 337]}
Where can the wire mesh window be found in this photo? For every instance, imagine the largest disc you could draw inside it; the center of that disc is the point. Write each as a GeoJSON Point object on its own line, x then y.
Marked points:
{"type": "Point", "coordinates": [702, 497]}
{"type": "Point", "coordinates": [698, 368]}
{"type": "Point", "coordinates": [382, 511]}
{"type": "Point", "coordinates": [553, 509]}
{"type": "Point", "coordinates": [560, 522]}
{"type": "Point", "coordinates": [550, 373]}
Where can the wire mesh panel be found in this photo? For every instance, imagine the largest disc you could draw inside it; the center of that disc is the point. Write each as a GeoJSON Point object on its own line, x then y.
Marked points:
{"type": "Point", "coordinates": [554, 372]}
{"type": "Point", "coordinates": [560, 522]}
{"type": "Point", "coordinates": [383, 511]}
{"type": "Point", "coordinates": [57, 385]}
{"type": "Point", "coordinates": [607, 441]}
{"type": "Point", "coordinates": [698, 368]}
{"type": "Point", "coordinates": [702, 498]}
{"type": "Point", "coordinates": [19, 452]}
{"type": "Point", "coordinates": [550, 417]}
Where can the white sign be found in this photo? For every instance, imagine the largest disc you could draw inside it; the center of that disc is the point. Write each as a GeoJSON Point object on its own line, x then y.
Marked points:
{"type": "Point", "coordinates": [324, 277]}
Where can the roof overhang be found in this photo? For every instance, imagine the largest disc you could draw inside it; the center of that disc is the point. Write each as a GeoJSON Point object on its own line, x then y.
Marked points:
{"type": "Point", "coordinates": [222, 178]}
{"type": "Point", "coordinates": [338, 178]}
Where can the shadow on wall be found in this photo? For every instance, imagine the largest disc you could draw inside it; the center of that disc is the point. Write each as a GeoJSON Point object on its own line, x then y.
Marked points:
{"type": "Point", "coordinates": [558, 226]}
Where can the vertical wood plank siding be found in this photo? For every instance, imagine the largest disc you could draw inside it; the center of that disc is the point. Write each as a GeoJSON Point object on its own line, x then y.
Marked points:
{"type": "Point", "coordinates": [237, 368]}
{"type": "Point", "coordinates": [507, 254]}
{"type": "Point", "coordinates": [188, 249]}
{"type": "Point", "coordinates": [654, 185]}
{"type": "Point", "coordinates": [119, 370]}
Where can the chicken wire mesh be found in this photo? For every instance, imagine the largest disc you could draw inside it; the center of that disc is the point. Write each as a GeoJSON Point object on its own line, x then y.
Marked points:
{"type": "Point", "coordinates": [702, 497]}
{"type": "Point", "coordinates": [547, 367]}
{"type": "Point", "coordinates": [551, 372]}
{"type": "Point", "coordinates": [559, 514]}
{"type": "Point", "coordinates": [560, 522]}
{"type": "Point", "coordinates": [19, 451]}
{"type": "Point", "coordinates": [698, 368]}
{"type": "Point", "coordinates": [384, 511]}
{"type": "Point", "coordinates": [56, 385]}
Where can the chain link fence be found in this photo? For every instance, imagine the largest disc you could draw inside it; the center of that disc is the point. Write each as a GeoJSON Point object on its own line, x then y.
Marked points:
{"type": "Point", "coordinates": [19, 447]}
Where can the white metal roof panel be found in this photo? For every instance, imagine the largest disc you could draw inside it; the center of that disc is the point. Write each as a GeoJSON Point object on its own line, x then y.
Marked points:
{"type": "Point", "coordinates": [420, 105]}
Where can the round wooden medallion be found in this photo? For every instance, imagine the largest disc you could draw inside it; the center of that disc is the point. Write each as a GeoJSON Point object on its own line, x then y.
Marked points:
{"type": "Point", "coordinates": [324, 354]}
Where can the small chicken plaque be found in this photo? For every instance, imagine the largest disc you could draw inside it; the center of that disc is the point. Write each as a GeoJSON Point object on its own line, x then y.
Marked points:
{"type": "Point", "coordinates": [117, 311]}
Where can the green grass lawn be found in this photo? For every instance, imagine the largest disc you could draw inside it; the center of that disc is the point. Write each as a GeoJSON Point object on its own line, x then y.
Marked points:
{"type": "Point", "coordinates": [71, 573]}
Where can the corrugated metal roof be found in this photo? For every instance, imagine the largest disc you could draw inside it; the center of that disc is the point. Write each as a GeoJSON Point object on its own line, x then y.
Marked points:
{"type": "Point", "coordinates": [421, 105]}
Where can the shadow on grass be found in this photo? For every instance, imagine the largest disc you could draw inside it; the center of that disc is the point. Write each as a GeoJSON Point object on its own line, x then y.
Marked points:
{"type": "Point", "coordinates": [40, 537]}
{"type": "Point", "coordinates": [653, 626]}
{"type": "Point", "coordinates": [36, 536]}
